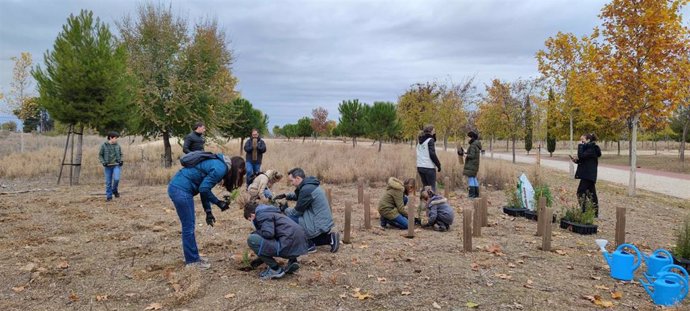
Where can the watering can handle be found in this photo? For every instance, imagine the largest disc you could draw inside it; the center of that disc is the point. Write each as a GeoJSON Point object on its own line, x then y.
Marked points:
{"type": "Point", "coordinates": [663, 251]}
{"type": "Point", "coordinates": [668, 268]}
{"type": "Point", "coordinates": [683, 283]}
{"type": "Point", "coordinates": [637, 252]}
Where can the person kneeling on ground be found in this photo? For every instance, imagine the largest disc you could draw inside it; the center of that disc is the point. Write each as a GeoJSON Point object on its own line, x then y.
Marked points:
{"type": "Point", "coordinates": [392, 205]}
{"type": "Point", "coordinates": [276, 235]}
{"type": "Point", "coordinates": [311, 210]}
{"type": "Point", "coordinates": [439, 212]}
{"type": "Point", "coordinates": [260, 188]}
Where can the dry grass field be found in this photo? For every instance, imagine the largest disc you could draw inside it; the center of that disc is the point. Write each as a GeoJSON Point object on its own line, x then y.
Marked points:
{"type": "Point", "coordinates": [64, 248]}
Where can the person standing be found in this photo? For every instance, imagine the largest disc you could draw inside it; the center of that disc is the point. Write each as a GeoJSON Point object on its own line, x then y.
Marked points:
{"type": "Point", "coordinates": [195, 140]}
{"type": "Point", "coordinates": [200, 179]}
{"type": "Point", "coordinates": [588, 153]}
{"type": "Point", "coordinates": [110, 156]}
{"type": "Point", "coordinates": [427, 162]}
{"type": "Point", "coordinates": [472, 164]}
{"type": "Point", "coordinates": [255, 147]}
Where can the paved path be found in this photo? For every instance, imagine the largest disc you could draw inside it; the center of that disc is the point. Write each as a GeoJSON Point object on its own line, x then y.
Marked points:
{"type": "Point", "coordinates": [673, 184]}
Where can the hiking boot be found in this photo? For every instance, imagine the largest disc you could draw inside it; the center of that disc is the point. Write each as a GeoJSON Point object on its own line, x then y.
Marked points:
{"type": "Point", "coordinates": [272, 274]}
{"type": "Point", "coordinates": [335, 242]}
{"type": "Point", "coordinates": [116, 194]}
{"type": "Point", "coordinates": [312, 248]}
{"type": "Point", "coordinates": [199, 265]}
{"type": "Point", "coordinates": [292, 267]}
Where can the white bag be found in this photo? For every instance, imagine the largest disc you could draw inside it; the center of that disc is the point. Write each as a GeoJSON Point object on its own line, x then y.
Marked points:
{"type": "Point", "coordinates": [526, 193]}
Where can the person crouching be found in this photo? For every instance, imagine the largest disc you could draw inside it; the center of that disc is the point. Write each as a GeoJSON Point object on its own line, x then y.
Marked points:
{"type": "Point", "coordinates": [440, 214]}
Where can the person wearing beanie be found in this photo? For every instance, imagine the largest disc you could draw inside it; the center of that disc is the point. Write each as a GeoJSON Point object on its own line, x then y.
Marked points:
{"type": "Point", "coordinates": [472, 164]}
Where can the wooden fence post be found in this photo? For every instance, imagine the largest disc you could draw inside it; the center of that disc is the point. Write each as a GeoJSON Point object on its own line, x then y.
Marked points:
{"type": "Point", "coordinates": [485, 210]}
{"type": "Point", "coordinates": [541, 221]}
{"type": "Point", "coordinates": [367, 212]}
{"type": "Point", "coordinates": [348, 219]}
{"type": "Point", "coordinates": [410, 221]}
{"type": "Point", "coordinates": [360, 190]}
{"type": "Point", "coordinates": [329, 195]}
{"type": "Point", "coordinates": [546, 238]}
{"type": "Point", "coordinates": [467, 229]}
{"type": "Point", "coordinates": [620, 225]}
{"type": "Point", "coordinates": [446, 187]}
{"type": "Point", "coordinates": [477, 219]}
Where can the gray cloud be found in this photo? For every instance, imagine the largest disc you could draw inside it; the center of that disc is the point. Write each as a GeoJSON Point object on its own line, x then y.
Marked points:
{"type": "Point", "coordinates": [292, 56]}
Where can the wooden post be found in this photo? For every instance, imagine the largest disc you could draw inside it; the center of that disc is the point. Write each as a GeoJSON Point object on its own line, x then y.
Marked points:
{"type": "Point", "coordinates": [467, 229]}
{"type": "Point", "coordinates": [330, 198]}
{"type": "Point", "coordinates": [477, 219]}
{"type": "Point", "coordinates": [410, 220]}
{"type": "Point", "coordinates": [360, 190]}
{"type": "Point", "coordinates": [546, 238]}
{"type": "Point", "coordinates": [541, 221]}
{"type": "Point", "coordinates": [446, 187]}
{"type": "Point", "coordinates": [620, 225]}
{"type": "Point", "coordinates": [452, 181]}
{"type": "Point", "coordinates": [348, 220]}
{"type": "Point", "coordinates": [484, 200]}
{"type": "Point", "coordinates": [539, 155]}
{"type": "Point", "coordinates": [367, 212]}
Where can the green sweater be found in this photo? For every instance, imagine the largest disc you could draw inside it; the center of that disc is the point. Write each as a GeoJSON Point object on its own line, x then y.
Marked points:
{"type": "Point", "coordinates": [110, 154]}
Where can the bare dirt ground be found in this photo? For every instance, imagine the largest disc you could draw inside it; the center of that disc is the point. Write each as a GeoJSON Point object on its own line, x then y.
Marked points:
{"type": "Point", "coordinates": [66, 249]}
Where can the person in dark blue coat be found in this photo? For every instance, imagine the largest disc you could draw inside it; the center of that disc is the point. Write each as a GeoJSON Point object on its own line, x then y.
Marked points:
{"type": "Point", "coordinates": [200, 179]}
{"type": "Point", "coordinates": [587, 161]}
{"type": "Point", "coordinates": [276, 235]}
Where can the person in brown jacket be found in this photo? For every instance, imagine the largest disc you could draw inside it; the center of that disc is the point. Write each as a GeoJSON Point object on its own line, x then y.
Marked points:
{"type": "Point", "coordinates": [391, 206]}
{"type": "Point", "coordinates": [260, 188]}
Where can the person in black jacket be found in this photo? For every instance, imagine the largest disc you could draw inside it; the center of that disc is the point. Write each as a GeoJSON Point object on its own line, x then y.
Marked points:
{"type": "Point", "coordinates": [587, 161]}
{"type": "Point", "coordinates": [255, 147]}
{"type": "Point", "coordinates": [427, 161]}
{"type": "Point", "coordinates": [195, 141]}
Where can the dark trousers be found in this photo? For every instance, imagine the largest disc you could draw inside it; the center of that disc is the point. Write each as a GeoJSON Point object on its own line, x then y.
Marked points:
{"type": "Point", "coordinates": [322, 239]}
{"type": "Point", "coordinates": [587, 189]}
{"type": "Point", "coordinates": [428, 176]}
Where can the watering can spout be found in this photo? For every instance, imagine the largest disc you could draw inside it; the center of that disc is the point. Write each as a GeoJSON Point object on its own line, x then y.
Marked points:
{"type": "Point", "coordinates": [646, 287]}
{"type": "Point", "coordinates": [602, 246]}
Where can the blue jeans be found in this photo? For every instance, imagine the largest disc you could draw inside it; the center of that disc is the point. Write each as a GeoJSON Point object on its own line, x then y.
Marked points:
{"type": "Point", "coordinates": [112, 179]}
{"type": "Point", "coordinates": [184, 205]}
{"type": "Point", "coordinates": [252, 168]}
{"type": "Point", "coordinates": [472, 181]}
{"type": "Point", "coordinates": [399, 222]}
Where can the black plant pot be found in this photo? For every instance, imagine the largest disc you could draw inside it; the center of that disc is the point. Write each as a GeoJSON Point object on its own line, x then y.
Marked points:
{"type": "Point", "coordinates": [532, 215]}
{"type": "Point", "coordinates": [685, 263]}
{"type": "Point", "coordinates": [514, 211]}
{"type": "Point", "coordinates": [578, 228]}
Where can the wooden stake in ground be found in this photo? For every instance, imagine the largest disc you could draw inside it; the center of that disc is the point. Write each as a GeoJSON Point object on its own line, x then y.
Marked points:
{"type": "Point", "coordinates": [410, 221]}
{"type": "Point", "coordinates": [539, 155]}
{"type": "Point", "coordinates": [330, 198]}
{"type": "Point", "coordinates": [360, 190]}
{"type": "Point", "coordinates": [477, 219]}
{"type": "Point", "coordinates": [348, 219]}
{"type": "Point", "coordinates": [367, 212]}
{"type": "Point", "coordinates": [446, 188]}
{"type": "Point", "coordinates": [546, 238]}
{"type": "Point", "coordinates": [484, 201]}
{"type": "Point", "coordinates": [541, 221]}
{"type": "Point", "coordinates": [620, 225]}
{"type": "Point", "coordinates": [467, 229]}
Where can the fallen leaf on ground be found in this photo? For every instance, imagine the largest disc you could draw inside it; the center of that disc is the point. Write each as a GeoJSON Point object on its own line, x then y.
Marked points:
{"type": "Point", "coordinates": [471, 305]}
{"type": "Point", "coordinates": [229, 295]}
{"type": "Point", "coordinates": [616, 295]}
{"type": "Point", "coordinates": [596, 299]}
{"type": "Point", "coordinates": [363, 246]}
{"type": "Point", "coordinates": [529, 284]}
{"type": "Point", "coordinates": [511, 265]}
{"type": "Point", "coordinates": [503, 276]}
{"type": "Point", "coordinates": [101, 298]}
{"type": "Point", "coordinates": [405, 293]}
{"type": "Point", "coordinates": [73, 297]}
{"type": "Point", "coordinates": [381, 280]}
{"type": "Point", "coordinates": [436, 305]}
{"type": "Point", "coordinates": [601, 287]}
{"type": "Point", "coordinates": [176, 287]}
{"type": "Point", "coordinates": [18, 289]}
{"type": "Point", "coordinates": [560, 252]}
{"type": "Point", "coordinates": [343, 296]}
{"type": "Point", "coordinates": [596, 278]}
{"type": "Point", "coordinates": [154, 306]}
{"type": "Point", "coordinates": [359, 295]}
{"type": "Point", "coordinates": [494, 249]}
{"type": "Point", "coordinates": [63, 265]}
{"type": "Point", "coordinates": [474, 266]}
{"type": "Point", "coordinates": [520, 261]}
{"type": "Point", "coordinates": [570, 267]}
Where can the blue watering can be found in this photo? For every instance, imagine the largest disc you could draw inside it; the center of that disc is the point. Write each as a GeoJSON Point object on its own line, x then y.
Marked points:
{"type": "Point", "coordinates": [621, 262]}
{"type": "Point", "coordinates": [669, 288]}
{"type": "Point", "coordinates": [655, 261]}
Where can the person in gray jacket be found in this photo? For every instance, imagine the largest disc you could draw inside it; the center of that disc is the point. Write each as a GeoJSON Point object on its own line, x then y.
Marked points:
{"type": "Point", "coordinates": [311, 211]}
{"type": "Point", "coordinates": [440, 214]}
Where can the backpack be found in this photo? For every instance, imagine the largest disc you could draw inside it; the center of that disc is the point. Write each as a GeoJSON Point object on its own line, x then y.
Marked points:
{"type": "Point", "coordinates": [195, 157]}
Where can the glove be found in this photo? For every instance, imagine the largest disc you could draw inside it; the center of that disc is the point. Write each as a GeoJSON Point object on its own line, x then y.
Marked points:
{"type": "Point", "coordinates": [210, 220]}
{"type": "Point", "coordinates": [105, 164]}
{"type": "Point", "coordinates": [439, 169]}
{"type": "Point", "coordinates": [282, 207]}
{"type": "Point", "coordinates": [223, 206]}
{"type": "Point", "coordinates": [280, 196]}
{"type": "Point", "coordinates": [120, 164]}
{"type": "Point", "coordinates": [417, 222]}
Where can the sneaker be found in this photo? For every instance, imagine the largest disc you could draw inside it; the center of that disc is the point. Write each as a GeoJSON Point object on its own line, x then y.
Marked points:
{"type": "Point", "coordinates": [116, 194]}
{"type": "Point", "coordinates": [201, 265]}
{"type": "Point", "coordinates": [311, 249]}
{"type": "Point", "coordinates": [108, 199]}
{"type": "Point", "coordinates": [292, 267]}
{"type": "Point", "coordinates": [272, 274]}
{"type": "Point", "coordinates": [335, 242]}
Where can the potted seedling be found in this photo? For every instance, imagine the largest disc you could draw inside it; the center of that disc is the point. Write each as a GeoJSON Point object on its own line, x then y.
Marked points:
{"type": "Point", "coordinates": [539, 192]}
{"type": "Point", "coordinates": [575, 220]}
{"type": "Point", "coordinates": [513, 206]}
{"type": "Point", "coordinates": [681, 253]}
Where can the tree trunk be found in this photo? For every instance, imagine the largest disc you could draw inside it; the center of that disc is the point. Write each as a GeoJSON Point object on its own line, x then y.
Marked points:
{"type": "Point", "coordinates": [619, 147]}
{"type": "Point", "coordinates": [491, 147]}
{"type": "Point", "coordinates": [354, 141]}
{"type": "Point", "coordinates": [655, 149]}
{"type": "Point", "coordinates": [633, 156]}
{"type": "Point", "coordinates": [78, 156]}
{"type": "Point", "coordinates": [380, 142]}
{"type": "Point", "coordinates": [630, 141]}
{"type": "Point", "coordinates": [445, 142]}
{"type": "Point", "coordinates": [167, 158]}
{"type": "Point", "coordinates": [682, 141]}
{"type": "Point", "coordinates": [507, 145]}
{"type": "Point", "coordinates": [514, 139]}
{"type": "Point", "coordinates": [571, 165]}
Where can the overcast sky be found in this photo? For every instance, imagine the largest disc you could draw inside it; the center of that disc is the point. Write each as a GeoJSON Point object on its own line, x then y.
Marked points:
{"type": "Point", "coordinates": [293, 56]}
